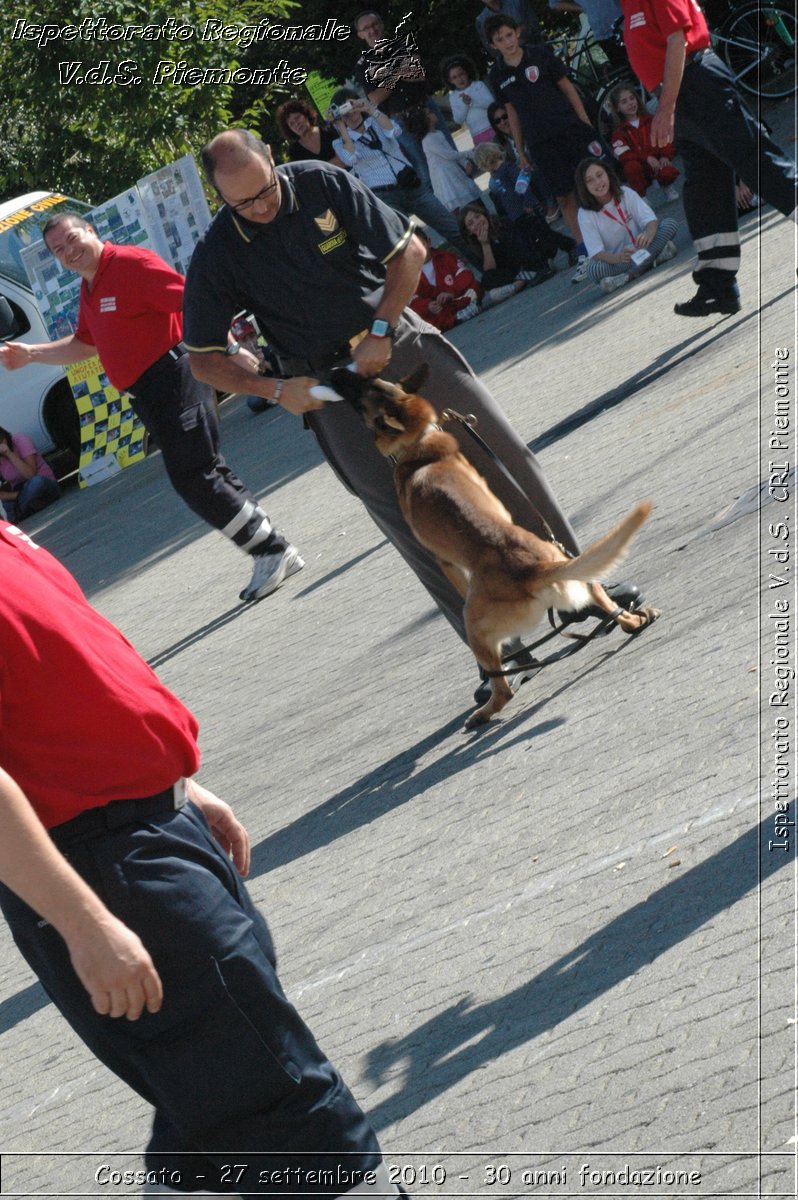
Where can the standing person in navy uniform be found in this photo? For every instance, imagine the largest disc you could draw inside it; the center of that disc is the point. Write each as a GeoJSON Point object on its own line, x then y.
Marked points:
{"type": "Point", "coordinates": [130, 314]}
{"type": "Point", "coordinates": [120, 879]}
{"type": "Point", "coordinates": [699, 107]}
{"type": "Point", "coordinates": [328, 271]}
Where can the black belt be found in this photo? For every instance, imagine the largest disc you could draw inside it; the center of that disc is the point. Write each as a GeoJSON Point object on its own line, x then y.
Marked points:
{"type": "Point", "coordinates": [696, 55]}
{"type": "Point", "coordinates": [293, 365]}
{"type": "Point", "coordinates": [168, 356]}
{"type": "Point", "coordinates": [389, 187]}
{"type": "Point", "coordinates": [110, 817]}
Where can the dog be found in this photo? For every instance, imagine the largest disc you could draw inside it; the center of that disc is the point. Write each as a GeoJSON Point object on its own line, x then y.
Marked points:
{"type": "Point", "coordinates": [507, 576]}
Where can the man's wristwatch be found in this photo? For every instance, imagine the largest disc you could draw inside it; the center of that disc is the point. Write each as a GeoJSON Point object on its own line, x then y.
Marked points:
{"type": "Point", "coordinates": [381, 329]}
{"type": "Point", "coordinates": [231, 348]}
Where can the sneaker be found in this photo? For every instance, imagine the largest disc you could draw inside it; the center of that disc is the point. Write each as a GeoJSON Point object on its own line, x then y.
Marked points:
{"type": "Point", "coordinates": [707, 304]}
{"type": "Point", "coordinates": [611, 283]}
{"type": "Point", "coordinates": [667, 252]}
{"type": "Point", "coordinates": [465, 314]}
{"type": "Point", "coordinates": [581, 269]}
{"type": "Point", "coordinates": [533, 278]}
{"type": "Point", "coordinates": [520, 675]}
{"type": "Point", "coordinates": [671, 194]}
{"type": "Point", "coordinates": [269, 570]}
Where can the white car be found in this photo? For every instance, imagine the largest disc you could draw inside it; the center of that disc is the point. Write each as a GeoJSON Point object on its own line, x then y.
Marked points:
{"type": "Point", "coordinates": [36, 400]}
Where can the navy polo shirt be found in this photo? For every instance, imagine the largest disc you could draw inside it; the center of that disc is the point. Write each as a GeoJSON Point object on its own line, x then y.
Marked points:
{"type": "Point", "coordinates": [313, 276]}
{"type": "Point", "coordinates": [532, 89]}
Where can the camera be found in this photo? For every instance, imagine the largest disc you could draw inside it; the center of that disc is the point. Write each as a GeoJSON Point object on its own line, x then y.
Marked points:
{"type": "Point", "coordinates": [341, 110]}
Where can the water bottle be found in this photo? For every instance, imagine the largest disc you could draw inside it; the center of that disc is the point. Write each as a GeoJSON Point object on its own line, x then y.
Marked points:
{"type": "Point", "coordinates": [522, 182]}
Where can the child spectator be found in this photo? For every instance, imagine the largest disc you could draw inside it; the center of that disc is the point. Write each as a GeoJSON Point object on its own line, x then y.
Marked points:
{"type": "Point", "coordinates": [616, 226]}
{"type": "Point", "coordinates": [447, 291]}
{"type": "Point", "coordinates": [519, 208]}
{"type": "Point", "coordinates": [509, 254]}
{"type": "Point", "coordinates": [469, 98]}
{"type": "Point", "coordinates": [547, 117]}
{"type": "Point", "coordinates": [27, 484]}
{"type": "Point", "coordinates": [449, 170]}
{"type": "Point", "coordinates": [642, 162]}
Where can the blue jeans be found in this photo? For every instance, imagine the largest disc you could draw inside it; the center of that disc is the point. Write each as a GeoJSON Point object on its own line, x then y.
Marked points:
{"type": "Point", "coordinates": [35, 494]}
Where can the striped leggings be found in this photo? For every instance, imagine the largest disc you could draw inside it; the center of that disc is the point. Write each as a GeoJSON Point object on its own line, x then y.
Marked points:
{"type": "Point", "coordinates": [598, 270]}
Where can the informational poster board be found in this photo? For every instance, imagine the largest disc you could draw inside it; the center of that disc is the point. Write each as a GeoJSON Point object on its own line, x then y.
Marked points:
{"type": "Point", "coordinates": [167, 212]}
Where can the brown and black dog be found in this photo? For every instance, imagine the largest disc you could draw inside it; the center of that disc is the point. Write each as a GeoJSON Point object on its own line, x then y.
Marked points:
{"type": "Point", "coordinates": [507, 576]}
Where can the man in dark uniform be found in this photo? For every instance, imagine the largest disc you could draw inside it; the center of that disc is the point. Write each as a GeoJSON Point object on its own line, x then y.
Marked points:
{"type": "Point", "coordinates": [130, 314]}
{"type": "Point", "coordinates": [120, 878]}
{"type": "Point", "coordinates": [328, 271]}
{"type": "Point", "coordinates": [668, 46]}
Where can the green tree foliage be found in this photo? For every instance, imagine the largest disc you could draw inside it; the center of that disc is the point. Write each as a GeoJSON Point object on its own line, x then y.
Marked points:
{"type": "Point", "coordinates": [92, 141]}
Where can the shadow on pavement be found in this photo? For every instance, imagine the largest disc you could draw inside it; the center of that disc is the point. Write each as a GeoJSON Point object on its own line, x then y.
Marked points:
{"type": "Point", "coordinates": [441, 1053]}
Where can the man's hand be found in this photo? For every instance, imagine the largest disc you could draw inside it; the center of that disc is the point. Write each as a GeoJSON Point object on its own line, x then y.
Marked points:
{"type": "Point", "coordinates": [115, 969]}
{"type": "Point", "coordinates": [225, 825]}
{"type": "Point", "coordinates": [662, 126]}
{"type": "Point", "coordinates": [14, 355]}
{"type": "Point", "coordinates": [372, 355]}
{"type": "Point", "coordinates": [296, 397]}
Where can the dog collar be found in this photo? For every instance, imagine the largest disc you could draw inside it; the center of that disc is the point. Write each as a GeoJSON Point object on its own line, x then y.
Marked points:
{"type": "Point", "coordinates": [403, 451]}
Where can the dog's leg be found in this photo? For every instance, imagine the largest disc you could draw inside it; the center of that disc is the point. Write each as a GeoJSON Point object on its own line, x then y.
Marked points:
{"type": "Point", "coordinates": [487, 651]}
{"type": "Point", "coordinates": [630, 622]}
{"type": "Point", "coordinates": [456, 576]}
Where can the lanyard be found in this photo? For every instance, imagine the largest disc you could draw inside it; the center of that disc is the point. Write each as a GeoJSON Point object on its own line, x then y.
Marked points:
{"type": "Point", "coordinates": [621, 219]}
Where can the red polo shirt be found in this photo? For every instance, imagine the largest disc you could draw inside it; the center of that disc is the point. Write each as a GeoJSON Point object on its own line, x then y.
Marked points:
{"type": "Point", "coordinates": [83, 719]}
{"type": "Point", "coordinates": [132, 313]}
{"type": "Point", "coordinates": [647, 25]}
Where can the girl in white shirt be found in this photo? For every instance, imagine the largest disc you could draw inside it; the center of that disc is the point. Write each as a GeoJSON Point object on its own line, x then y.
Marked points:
{"type": "Point", "coordinates": [621, 232]}
{"type": "Point", "coordinates": [469, 98]}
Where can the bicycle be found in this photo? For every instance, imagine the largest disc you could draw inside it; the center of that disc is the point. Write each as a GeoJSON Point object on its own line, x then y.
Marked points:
{"type": "Point", "coordinates": [757, 42]}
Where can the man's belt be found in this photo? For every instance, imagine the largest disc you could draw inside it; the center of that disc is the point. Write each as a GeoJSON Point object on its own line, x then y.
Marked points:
{"type": "Point", "coordinates": [172, 355]}
{"type": "Point", "coordinates": [106, 819]}
{"type": "Point", "coordinates": [696, 55]}
{"type": "Point", "coordinates": [315, 365]}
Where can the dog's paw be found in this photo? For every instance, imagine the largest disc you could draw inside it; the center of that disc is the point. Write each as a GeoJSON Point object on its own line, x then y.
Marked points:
{"type": "Point", "coordinates": [647, 616]}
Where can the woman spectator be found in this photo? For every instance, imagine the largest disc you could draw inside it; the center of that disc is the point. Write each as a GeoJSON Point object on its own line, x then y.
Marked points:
{"type": "Point", "coordinates": [500, 123]}
{"type": "Point", "coordinates": [298, 123]}
{"type": "Point", "coordinates": [622, 234]}
{"type": "Point", "coordinates": [26, 482]}
{"type": "Point", "coordinates": [469, 98]}
{"type": "Point", "coordinates": [449, 170]}
{"type": "Point", "coordinates": [368, 144]}
{"type": "Point", "coordinates": [509, 256]}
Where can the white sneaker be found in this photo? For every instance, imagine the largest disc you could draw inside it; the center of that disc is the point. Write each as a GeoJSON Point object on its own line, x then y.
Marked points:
{"type": "Point", "coordinates": [465, 314]}
{"type": "Point", "coordinates": [667, 252]}
{"type": "Point", "coordinates": [581, 269]}
{"type": "Point", "coordinates": [611, 283]}
{"type": "Point", "coordinates": [269, 571]}
{"type": "Point", "coordinates": [671, 194]}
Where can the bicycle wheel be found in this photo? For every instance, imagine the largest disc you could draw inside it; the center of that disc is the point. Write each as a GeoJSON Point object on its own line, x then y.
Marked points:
{"type": "Point", "coordinates": [758, 44]}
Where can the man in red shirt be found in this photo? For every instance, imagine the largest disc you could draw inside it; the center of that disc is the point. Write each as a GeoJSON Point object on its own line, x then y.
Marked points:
{"type": "Point", "coordinates": [668, 46]}
{"type": "Point", "coordinates": [130, 314]}
{"type": "Point", "coordinates": [120, 881]}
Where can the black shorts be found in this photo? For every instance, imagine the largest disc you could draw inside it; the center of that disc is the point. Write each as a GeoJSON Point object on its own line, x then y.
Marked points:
{"type": "Point", "coordinates": [559, 157]}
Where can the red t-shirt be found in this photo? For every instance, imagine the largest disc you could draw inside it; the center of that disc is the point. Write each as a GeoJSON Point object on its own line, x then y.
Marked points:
{"type": "Point", "coordinates": [647, 25]}
{"type": "Point", "coordinates": [133, 312]}
{"type": "Point", "coordinates": [83, 719]}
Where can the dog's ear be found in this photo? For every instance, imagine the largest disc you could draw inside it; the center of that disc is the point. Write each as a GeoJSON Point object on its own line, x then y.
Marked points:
{"type": "Point", "coordinates": [392, 422]}
{"type": "Point", "coordinates": [414, 381]}
{"type": "Point", "coordinates": [347, 384]}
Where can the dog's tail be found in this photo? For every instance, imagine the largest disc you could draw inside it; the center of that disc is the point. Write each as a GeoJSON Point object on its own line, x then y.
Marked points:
{"type": "Point", "coordinates": [604, 555]}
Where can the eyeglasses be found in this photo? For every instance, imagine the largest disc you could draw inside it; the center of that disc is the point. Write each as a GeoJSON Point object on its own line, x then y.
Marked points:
{"type": "Point", "coordinates": [263, 194]}
{"type": "Point", "coordinates": [500, 118]}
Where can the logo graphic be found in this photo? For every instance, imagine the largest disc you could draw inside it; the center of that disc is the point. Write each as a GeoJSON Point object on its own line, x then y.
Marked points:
{"type": "Point", "coordinates": [107, 304]}
{"type": "Point", "coordinates": [596, 149]}
{"type": "Point", "coordinates": [391, 61]}
{"type": "Point", "coordinates": [532, 74]}
{"type": "Point", "coordinates": [327, 222]}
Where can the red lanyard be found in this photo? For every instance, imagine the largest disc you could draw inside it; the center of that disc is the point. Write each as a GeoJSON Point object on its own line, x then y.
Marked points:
{"type": "Point", "coordinates": [621, 219]}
